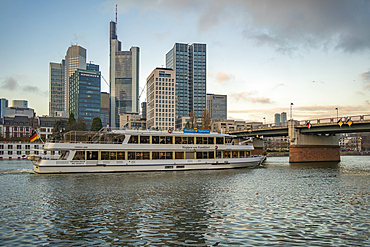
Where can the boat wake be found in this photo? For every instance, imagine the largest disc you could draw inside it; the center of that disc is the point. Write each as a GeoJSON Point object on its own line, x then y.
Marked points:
{"type": "Point", "coordinates": [17, 171]}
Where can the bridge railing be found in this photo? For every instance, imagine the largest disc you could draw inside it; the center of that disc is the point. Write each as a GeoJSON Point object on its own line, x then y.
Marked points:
{"type": "Point", "coordinates": [314, 121]}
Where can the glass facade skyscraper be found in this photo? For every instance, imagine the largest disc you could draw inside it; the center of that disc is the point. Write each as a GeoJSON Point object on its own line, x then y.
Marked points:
{"type": "Point", "coordinates": [3, 105]}
{"type": "Point", "coordinates": [123, 78]}
{"type": "Point", "coordinates": [84, 95]}
{"type": "Point", "coordinates": [56, 87]}
{"type": "Point", "coordinates": [189, 64]}
{"type": "Point", "coordinates": [217, 106]}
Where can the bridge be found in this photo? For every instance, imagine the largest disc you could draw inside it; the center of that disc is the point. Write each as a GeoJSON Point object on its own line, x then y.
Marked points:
{"type": "Point", "coordinates": [310, 140]}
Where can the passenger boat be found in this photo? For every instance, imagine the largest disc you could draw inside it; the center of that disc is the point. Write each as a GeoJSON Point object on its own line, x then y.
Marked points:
{"type": "Point", "coordinates": [146, 150]}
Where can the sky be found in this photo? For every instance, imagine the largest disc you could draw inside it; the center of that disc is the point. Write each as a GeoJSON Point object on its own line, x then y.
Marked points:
{"type": "Point", "coordinates": [263, 54]}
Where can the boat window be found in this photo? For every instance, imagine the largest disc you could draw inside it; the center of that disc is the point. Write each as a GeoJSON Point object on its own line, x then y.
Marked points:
{"type": "Point", "coordinates": [79, 155]}
{"type": "Point", "coordinates": [189, 155]}
{"type": "Point", "coordinates": [64, 155]}
{"type": "Point", "coordinates": [179, 155]}
{"type": "Point", "coordinates": [144, 139]}
{"type": "Point", "coordinates": [199, 140]}
{"type": "Point", "coordinates": [169, 140]}
{"type": "Point", "coordinates": [112, 155]}
{"type": "Point", "coordinates": [169, 155]}
{"type": "Point", "coordinates": [199, 155]}
{"type": "Point", "coordinates": [219, 140]}
{"type": "Point", "coordinates": [155, 156]}
{"type": "Point", "coordinates": [227, 154]}
{"type": "Point", "coordinates": [146, 156]}
{"type": "Point", "coordinates": [155, 139]}
{"type": "Point", "coordinates": [228, 140]}
{"type": "Point", "coordinates": [104, 155]}
{"type": "Point", "coordinates": [133, 139]}
{"type": "Point", "coordinates": [139, 155]}
{"type": "Point", "coordinates": [131, 155]}
{"type": "Point", "coordinates": [205, 155]}
{"type": "Point", "coordinates": [241, 154]}
{"type": "Point", "coordinates": [162, 139]}
{"type": "Point", "coordinates": [205, 140]}
{"type": "Point", "coordinates": [120, 155]}
{"type": "Point", "coordinates": [211, 155]}
{"type": "Point", "coordinates": [184, 140]}
{"type": "Point", "coordinates": [177, 140]}
{"type": "Point", "coordinates": [247, 154]}
{"type": "Point", "coordinates": [190, 140]}
{"type": "Point", "coordinates": [211, 140]}
{"type": "Point", "coordinates": [235, 154]}
{"type": "Point", "coordinates": [92, 155]}
{"type": "Point", "coordinates": [218, 153]}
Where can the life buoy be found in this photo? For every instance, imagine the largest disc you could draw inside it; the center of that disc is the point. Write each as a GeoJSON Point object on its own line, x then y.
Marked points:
{"type": "Point", "coordinates": [170, 131]}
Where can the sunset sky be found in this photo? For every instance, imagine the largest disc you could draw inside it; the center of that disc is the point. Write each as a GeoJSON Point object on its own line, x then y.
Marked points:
{"type": "Point", "coordinates": [263, 54]}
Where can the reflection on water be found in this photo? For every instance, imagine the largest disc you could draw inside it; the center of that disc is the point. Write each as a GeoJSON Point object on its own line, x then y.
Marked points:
{"type": "Point", "coordinates": [289, 204]}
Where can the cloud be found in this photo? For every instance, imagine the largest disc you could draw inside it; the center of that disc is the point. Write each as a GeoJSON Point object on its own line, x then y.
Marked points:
{"type": "Point", "coordinates": [223, 77]}
{"type": "Point", "coordinates": [31, 89]}
{"type": "Point", "coordinates": [248, 96]}
{"type": "Point", "coordinates": [285, 25]}
{"type": "Point", "coordinates": [366, 77]}
{"type": "Point", "coordinates": [367, 102]}
{"type": "Point", "coordinates": [278, 85]}
{"type": "Point", "coordinates": [10, 83]}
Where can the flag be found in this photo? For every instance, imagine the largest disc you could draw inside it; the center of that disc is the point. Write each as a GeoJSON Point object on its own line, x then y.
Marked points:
{"type": "Point", "coordinates": [34, 136]}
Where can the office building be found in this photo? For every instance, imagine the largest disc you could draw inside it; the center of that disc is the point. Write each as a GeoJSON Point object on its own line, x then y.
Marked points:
{"type": "Point", "coordinates": [161, 107]}
{"type": "Point", "coordinates": [3, 105]}
{"type": "Point", "coordinates": [277, 118]}
{"type": "Point", "coordinates": [19, 103]}
{"type": "Point", "coordinates": [92, 67]}
{"type": "Point", "coordinates": [217, 106]}
{"type": "Point", "coordinates": [143, 110]}
{"type": "Point", "coordinates": [84, 95]}
{"type": "Point", "coordinates": [283, 118]}
{"type": "Point", "coordinates": [56, 88]}
{"type": "Point", "coordinates": [189, 64]}
{"type": "Point", "coordinates": [104, 108]}
{"type": "Point", "coordinates": [123, 78]}
{"type": "Point", "coordinates": [74, 59]}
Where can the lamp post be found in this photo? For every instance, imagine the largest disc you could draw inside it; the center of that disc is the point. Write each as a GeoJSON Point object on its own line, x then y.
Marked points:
{"type": "Point", "coordinates": [337, 112]}
{"type": "Point", "coordinates": [264, 119]}
{"type": "Point", "coordinates": [291, 110]}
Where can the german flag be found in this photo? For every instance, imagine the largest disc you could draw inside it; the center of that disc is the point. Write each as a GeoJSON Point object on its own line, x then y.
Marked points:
{"type": "Point", "coordinates": [34, 136]}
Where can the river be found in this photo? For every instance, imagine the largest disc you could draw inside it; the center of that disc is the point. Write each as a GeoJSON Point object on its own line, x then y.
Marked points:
{"type": "Point", "coordinates": [282, 204]}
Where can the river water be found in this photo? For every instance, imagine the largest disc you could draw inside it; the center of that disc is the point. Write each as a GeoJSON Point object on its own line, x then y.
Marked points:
{"type": "Point", "coordinates": [281, 204]}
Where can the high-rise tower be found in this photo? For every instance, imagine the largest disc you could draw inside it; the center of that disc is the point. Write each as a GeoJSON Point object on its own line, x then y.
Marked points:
{"type": "Point", "coordinates": [56, 88]}
{"type": "Point", "coordinates": [74, 59]}
{"type": "Point", "coordinates": [123, 78]}
{"type": "Point", "coordinates": [189, 63]}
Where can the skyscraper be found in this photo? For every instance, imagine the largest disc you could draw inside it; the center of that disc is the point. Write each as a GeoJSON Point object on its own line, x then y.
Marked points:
{"type": "Point", "coordinates": [84, 95]}
{"type": "Point", "coordinates": [283, 117]}
{"type": "Point", "coordinates": [74, 59]}
{"type": "Point", "coordinates": [189, 63]}
{"type": "Point", "coordinates": [56, 88]}
{"type": "Point", "coordinates": [217, 106]}
{"type": "Point", "coordinates": [277, 118]}
{"type": "Point", "coordinates": [123, 78]}
{"type": "Point", "coordinates": [3, 105]}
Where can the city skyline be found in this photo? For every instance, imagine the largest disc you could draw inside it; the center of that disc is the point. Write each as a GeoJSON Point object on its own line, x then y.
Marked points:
{"type": "Point", "coordinates": [264, 55]}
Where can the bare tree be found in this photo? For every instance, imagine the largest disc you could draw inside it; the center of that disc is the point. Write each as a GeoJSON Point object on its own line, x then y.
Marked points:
{"type": "Point", "coordinates": [206, 119]}
{"type": "Point", "coordinates": [192, 120]}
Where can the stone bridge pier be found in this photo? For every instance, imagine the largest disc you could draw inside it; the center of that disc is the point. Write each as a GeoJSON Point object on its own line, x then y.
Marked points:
{"type": "Point", "coordinates": [312, 147]}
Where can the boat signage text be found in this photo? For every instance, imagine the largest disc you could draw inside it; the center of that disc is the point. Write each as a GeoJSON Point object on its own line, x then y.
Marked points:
{"type": "Point", "coordinates": [199, 131]}
{"type": "Point", "coordinates": [196, 147]}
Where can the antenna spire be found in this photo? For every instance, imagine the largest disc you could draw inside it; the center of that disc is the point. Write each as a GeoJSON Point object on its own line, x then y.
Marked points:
{"type": "Point", "coordinates": [116, 13]}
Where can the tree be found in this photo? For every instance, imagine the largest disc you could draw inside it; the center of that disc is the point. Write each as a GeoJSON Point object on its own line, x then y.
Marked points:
{"type": "Point", "coordinates": [192, 120]}
{"type": "Point", "coordinates": [96, 124]}
{"type": "Point", "coordinates": [71, 119]}
{"type": "Point", "coordinates": [206, 119]}
{"type": "Point", "coordinates": [60, 126]}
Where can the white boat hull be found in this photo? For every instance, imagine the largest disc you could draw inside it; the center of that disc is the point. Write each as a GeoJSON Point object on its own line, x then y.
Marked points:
{"type": "Point", "coordinates": [56, 166]}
